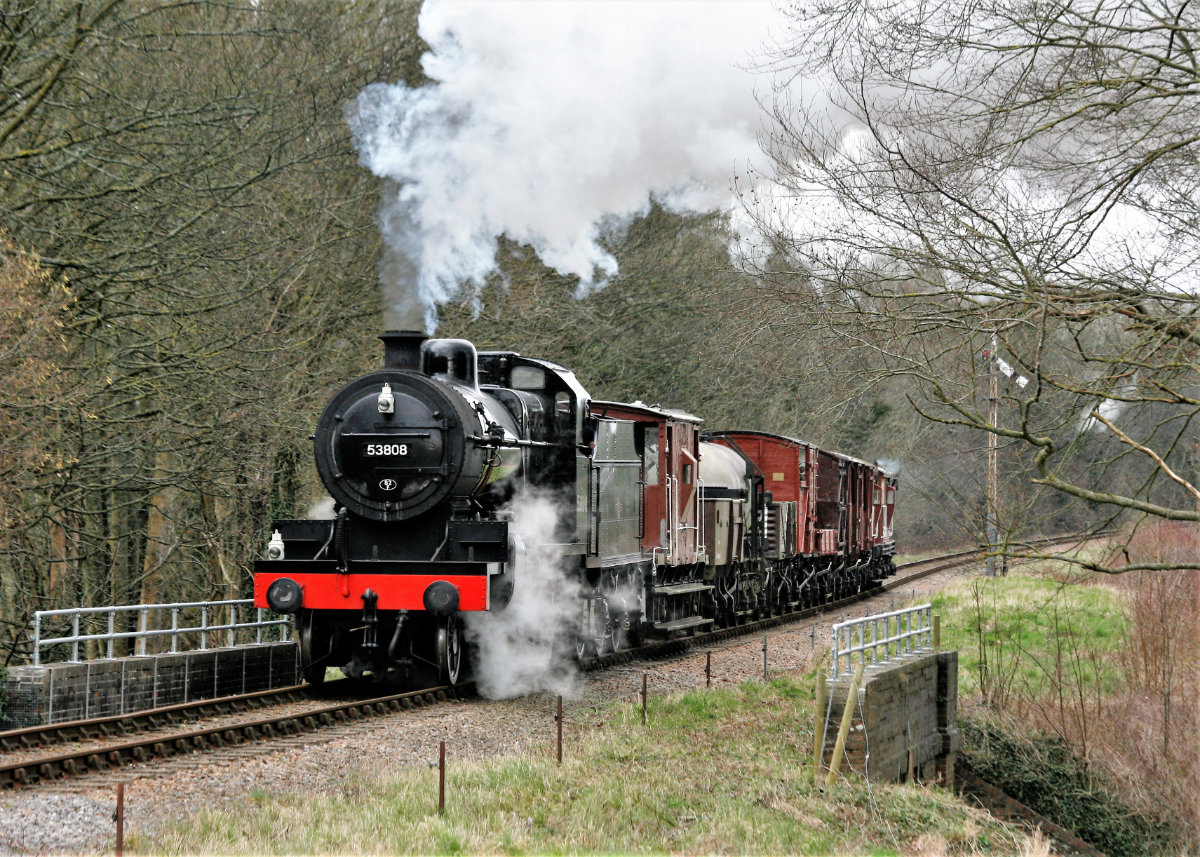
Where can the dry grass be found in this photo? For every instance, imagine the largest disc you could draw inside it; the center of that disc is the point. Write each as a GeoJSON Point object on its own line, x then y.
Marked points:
{"type": "Point", "coordinates": [720, 772]}
{"type": "Point", "coordinates": [1109, 663]}
{"type": "Point", "coordinates": [1150, 736]}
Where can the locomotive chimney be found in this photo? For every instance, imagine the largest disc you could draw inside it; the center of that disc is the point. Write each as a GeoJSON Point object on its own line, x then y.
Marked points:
{"type": "Point", "coordinates": [402, 349]}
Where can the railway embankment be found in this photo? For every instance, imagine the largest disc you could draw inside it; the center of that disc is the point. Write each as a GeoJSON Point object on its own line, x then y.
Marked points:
{"type": "Point", "coordinates": [234, 795]}
{"type": "Point", "coordinates": [721, 770]}
{"type": "Point", "coordinates": [62, 692]}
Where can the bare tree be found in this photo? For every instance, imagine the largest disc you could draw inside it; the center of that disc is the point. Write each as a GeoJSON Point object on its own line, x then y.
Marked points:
{"type": "Point", "coordinates": [1002, 189]}
{"type": "Point", "coordinates": [186, 168]}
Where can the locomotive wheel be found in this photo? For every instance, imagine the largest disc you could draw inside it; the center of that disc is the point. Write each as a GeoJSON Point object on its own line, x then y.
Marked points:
{"type": "Point", "coordinates": [451, 650]}
{"type": "Point", "coordinates": [314, 648]}
{"type": "Point", "coordinates": [616, 634]}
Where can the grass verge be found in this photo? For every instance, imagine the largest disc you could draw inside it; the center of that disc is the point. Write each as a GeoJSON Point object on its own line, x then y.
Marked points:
{"type": "Point", "coordinates": [1074, 697]}
{"type": "Point", "coordinates": [726, 772]}
{"type": "Point", "coordinates": [1031, 634]}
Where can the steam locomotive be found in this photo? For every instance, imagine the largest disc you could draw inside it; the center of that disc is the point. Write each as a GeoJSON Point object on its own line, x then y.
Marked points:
{"type": "Point", "coordinates": [663, 530]}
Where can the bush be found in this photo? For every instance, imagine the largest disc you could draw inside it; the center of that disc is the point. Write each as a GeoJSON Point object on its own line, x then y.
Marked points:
{"type": "Point", "coordinates": [1043, 773]}
{"type": "Point", "coordinates": [1153, 746]}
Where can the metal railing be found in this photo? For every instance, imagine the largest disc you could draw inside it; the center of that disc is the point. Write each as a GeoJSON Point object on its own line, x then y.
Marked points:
{"type": "Point", "coordinates": [148, 630]}
{"type": "Point", "coordinates": [883, 637]}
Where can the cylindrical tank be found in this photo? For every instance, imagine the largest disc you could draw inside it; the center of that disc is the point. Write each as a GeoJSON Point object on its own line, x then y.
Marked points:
{"type": "Point", "coordinates": [721, 468]}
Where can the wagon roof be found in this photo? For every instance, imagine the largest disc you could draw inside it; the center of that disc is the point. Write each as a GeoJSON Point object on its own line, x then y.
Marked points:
{"type": "Point", "coordinates": [599, 407]}
{"type": "Point", "coordinates": [797, 442]}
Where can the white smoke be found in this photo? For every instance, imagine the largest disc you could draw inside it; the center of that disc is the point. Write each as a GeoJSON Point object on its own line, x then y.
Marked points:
{"type": "Point", "coordinates": [550, 123]}
{"type": "Point", "coordinates": [322, 510]}
{"type": "Point", "coordinates": [526, 647]}
{"type": "Point", "coordinates": [1109, 409]}
{"type": "Point", "coordinates": [890, 465]}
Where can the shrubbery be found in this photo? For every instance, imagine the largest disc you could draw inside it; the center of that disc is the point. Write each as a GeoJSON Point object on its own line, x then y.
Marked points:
{"type": "Point", "coordinates": [1045, 774]}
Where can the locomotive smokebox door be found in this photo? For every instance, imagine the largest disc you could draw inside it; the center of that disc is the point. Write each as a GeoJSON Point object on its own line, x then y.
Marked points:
{"type": "Point", "coordinates": [392, 463]}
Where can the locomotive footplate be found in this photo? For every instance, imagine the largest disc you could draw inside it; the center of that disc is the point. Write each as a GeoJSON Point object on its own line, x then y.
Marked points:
{"type": "Point", "coordinates": [400, 585]}
{"type": "Point", "coordinates": [674, 625]}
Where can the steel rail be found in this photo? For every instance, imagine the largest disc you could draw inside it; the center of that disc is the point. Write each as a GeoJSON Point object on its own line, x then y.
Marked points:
{"type": "Point", "coordinates": [53, 767]}
{"type": "Point", "coordinates": [48, 734]}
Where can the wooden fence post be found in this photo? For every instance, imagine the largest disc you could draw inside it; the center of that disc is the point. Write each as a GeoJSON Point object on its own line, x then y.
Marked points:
{"type": "Point", "coordinates": [847, 718]}
{"type": "Point", "coordinates": [819, 727]}
{"type": "Point", "coordinates": [441, 778]}
{"type": "Point", "coordinates": [120, 819]}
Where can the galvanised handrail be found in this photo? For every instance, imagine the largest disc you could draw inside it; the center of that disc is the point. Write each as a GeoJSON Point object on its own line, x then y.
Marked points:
{"type": "Point", "coordinates": [145, 632]}
{"type": "Point", "coordinates": [885, 636]}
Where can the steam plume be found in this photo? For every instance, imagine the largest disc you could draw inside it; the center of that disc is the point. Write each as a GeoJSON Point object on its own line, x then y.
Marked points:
{"type": "Point", "coordinates": [520, 650]}
{"type": "Point", "coordinates": [551, 123]}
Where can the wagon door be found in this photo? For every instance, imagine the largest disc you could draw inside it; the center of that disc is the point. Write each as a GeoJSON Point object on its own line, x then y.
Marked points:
{"type": "Point", "coordinates": [685, 504]}
{"type": "Point", "coordinates": [806, 542]}
{"type": "Point", "coordinates": [615, 493]}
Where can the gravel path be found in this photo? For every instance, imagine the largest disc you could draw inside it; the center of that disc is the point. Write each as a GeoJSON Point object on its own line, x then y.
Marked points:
{"type": "Point", "coordinates": [76, 816]}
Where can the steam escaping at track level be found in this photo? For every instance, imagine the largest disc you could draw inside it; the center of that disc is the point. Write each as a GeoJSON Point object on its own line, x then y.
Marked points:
{"type": "Point", "coordinates": [526, 648]}
{"type": "Point", "coordinates": [553, 124]}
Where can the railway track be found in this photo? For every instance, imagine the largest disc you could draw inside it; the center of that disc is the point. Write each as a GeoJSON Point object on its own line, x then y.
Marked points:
{"type": "Point", "coordinates": [46, 735]}
{"type": "Point", "coordinates": [154, 740]}
{"type": "Point", "coordinates": [157, 746]}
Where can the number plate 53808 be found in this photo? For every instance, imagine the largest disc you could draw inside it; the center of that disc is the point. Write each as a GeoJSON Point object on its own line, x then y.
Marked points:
{"type": "Point", "coordinates": [385, 450]}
